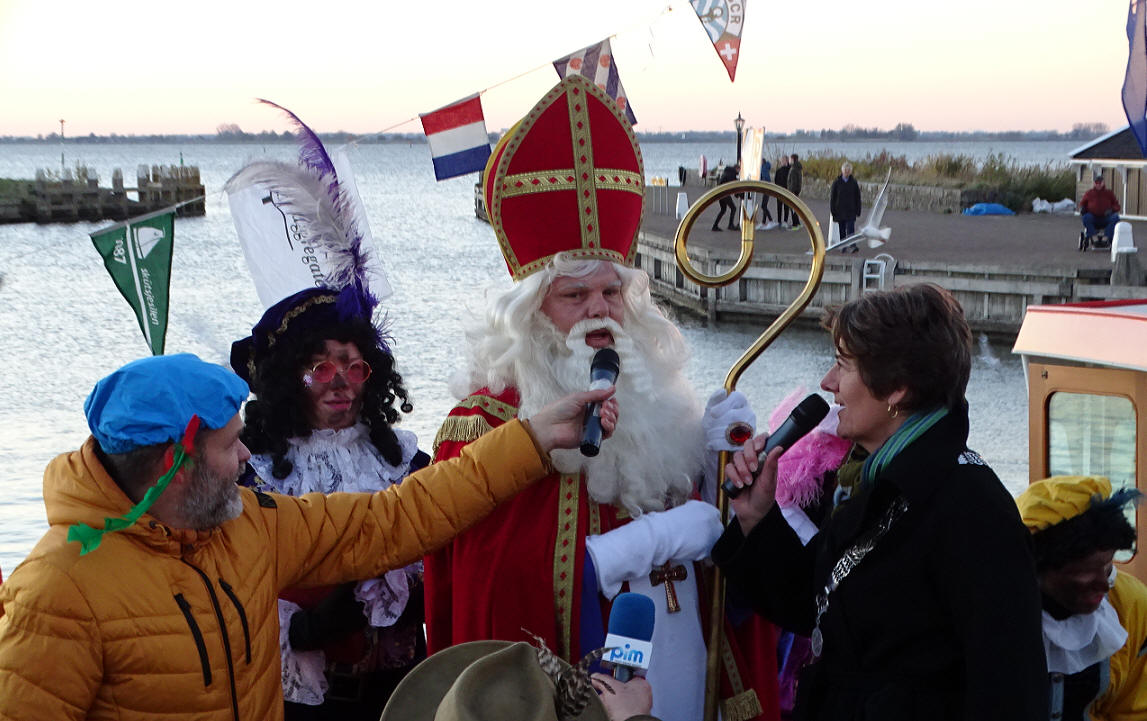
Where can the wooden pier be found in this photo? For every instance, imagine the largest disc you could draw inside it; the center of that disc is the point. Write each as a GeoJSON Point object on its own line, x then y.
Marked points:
{"type": "Point", "coordinates": [995, 266]}
{"type": "Point", "coordinates": [78, 196]}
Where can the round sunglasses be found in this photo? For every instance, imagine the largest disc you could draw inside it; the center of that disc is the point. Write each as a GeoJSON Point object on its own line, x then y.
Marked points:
{"type": "Point", "coordinates": [325, 371]}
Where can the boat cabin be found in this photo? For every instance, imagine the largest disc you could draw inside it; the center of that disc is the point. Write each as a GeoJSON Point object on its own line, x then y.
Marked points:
{"type": "Point", "coordinates": [1086, 370]}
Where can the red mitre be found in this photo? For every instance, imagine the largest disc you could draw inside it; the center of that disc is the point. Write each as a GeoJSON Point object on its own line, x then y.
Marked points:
{"type": "Point", "coordinates": [568, 176]}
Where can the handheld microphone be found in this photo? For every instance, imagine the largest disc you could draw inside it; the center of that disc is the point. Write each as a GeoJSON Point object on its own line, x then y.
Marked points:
{"type": "Point", "coordinates": [806, 416]}
{"type": "Point", "coordinates": [630, 638]}
{"type": "Point", "coordinates": [602, 374]}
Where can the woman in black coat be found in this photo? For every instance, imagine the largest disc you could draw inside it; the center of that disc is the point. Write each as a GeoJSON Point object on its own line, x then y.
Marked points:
{"type": "Point", "coordinates": [919, 592]}
{"type": "Point", "coordinates": [844, 202]}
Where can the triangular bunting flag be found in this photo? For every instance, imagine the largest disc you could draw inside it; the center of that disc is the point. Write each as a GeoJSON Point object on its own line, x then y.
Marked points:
{"type": "Point", "coordinates": [137, 254]}
{"type": "Point", "coordinates": [595, 63]}
{"type": "Point", "coordinates": [723, 20]}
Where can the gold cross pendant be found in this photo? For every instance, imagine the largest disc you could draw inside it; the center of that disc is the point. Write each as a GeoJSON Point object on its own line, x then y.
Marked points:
{"type": "Point", "coordinates": [667, 574]}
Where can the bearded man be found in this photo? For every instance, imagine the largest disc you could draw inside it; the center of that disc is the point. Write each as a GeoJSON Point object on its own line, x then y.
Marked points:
{"type": "Point", "coordinates": [165, 604]}
{"type": "Point", "coordinates": [550, 563]}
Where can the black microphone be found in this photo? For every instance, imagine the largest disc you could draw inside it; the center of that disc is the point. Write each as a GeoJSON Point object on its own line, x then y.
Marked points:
{"type": "Point", "coordinates": [602, 374]}
{"type": "Point", "coordinates": [806, 416]}
{"type": "Point", "coordinates": [629, 643]}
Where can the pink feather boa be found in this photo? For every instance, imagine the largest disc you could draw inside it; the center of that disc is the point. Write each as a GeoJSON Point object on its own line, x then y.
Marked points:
{"type": "Point", "coordinates": [801, 468]}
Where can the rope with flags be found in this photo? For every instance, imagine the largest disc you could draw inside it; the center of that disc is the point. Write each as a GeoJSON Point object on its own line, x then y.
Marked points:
{"type": "Point", "coordinates": [456, 132]}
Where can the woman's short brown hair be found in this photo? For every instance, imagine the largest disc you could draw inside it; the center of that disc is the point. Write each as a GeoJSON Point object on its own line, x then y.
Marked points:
{"type": "Point", "coordinates": [914, 337]}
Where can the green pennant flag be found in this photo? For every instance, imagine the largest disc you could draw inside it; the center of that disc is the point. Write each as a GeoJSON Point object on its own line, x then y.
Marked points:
{"type": "Point", "coordinates": [137, 254]}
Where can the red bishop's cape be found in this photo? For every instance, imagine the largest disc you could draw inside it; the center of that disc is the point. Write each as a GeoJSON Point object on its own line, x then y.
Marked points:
{"type": "Point", "coordinates": [520, 570]}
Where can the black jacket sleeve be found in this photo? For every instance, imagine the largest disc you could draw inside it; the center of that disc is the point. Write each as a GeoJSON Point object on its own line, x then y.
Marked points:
{"type": "Point", "coordinates": [771, 570]}
{"type": "Point", "coordinates": [991, 585]}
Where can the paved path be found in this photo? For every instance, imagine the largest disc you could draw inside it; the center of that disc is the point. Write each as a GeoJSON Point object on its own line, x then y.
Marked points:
{"type": "Point", "coordinates": [1041, 242]}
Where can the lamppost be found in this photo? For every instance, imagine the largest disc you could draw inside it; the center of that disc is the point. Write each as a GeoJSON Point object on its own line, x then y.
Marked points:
{"type": "Point", "coordinates": [740, 123]}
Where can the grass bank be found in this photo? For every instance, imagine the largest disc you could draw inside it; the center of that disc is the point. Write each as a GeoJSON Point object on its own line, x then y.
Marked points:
{"type": "Point", "coordinates": [998, 178]}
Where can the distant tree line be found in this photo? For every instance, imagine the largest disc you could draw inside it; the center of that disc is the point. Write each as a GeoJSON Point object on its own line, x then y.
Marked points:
{"type": "Point", "coordinates": [903, 132]}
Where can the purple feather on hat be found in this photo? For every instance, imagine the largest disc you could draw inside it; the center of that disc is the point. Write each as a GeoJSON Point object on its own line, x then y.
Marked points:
{"type": "Point", "coordinates": [312, 152]}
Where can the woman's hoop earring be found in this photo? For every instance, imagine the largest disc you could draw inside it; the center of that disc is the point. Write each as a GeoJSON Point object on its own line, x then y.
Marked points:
{"type": "Point", "coordinates": [893, 412]}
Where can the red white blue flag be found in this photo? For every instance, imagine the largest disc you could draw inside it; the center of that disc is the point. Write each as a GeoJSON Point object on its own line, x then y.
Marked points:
{"type": "Point", "coordinates": [723, 20]}
{"type": "Point", "coordinates": [595, 63]}
{"type": "Point", "coordinates": [1135, 81]}
{"type": "Point", "coordinates": [458, 140]}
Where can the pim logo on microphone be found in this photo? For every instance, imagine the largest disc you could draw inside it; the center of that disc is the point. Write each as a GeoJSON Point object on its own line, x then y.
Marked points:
{"type": "Point", "coordinates": [627, 651]}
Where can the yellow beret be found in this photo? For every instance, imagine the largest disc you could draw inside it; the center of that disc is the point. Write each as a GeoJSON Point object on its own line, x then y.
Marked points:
{"type": "Point", "coordinates": [1056, 499]}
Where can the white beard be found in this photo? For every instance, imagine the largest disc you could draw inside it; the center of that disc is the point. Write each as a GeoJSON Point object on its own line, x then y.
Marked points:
{"type": "Point", "coordinates": [656, 453]}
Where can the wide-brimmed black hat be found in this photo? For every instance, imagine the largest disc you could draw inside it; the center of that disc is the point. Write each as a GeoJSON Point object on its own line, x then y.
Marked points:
{"type": "Point", "coordinates": [307, 310]}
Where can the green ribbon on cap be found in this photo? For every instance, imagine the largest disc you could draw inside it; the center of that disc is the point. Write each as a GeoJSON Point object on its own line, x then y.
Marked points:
{"type": "Point", "coordinates": [90, 538]}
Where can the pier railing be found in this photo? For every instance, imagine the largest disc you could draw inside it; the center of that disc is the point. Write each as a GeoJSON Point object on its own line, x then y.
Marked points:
{"type": "Point", "coordinates": [994, 298]}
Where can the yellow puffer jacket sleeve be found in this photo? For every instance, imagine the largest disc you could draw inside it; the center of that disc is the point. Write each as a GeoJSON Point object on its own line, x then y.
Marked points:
{"type": "Point", "coordinates": [32, 685]}
{"type": "Point", "coordinates": [1126, 695]}
{"type": "Point", "coordinates": [324, 540]}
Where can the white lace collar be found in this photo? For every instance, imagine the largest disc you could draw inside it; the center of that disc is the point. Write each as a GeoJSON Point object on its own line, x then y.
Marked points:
{"type": "Point", "coordinates": [337, 460]}
{"type": "Point", "coordinates": [1076, 642]}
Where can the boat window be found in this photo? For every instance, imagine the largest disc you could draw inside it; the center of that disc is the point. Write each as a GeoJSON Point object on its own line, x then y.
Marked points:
{"type": "Point", "coordinates": [1093, 435]}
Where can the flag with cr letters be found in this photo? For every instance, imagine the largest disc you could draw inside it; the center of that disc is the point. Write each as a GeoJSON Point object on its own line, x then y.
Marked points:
{"type": "Point", "coordinates": [1135, 81]}
{"type": "Point", "coordinates": [595, 63]}
{"type": "Point", "coordinates": [723, 20]}
{"type": "Point", "coordinates": [137, 254]}
{"type": "Point", "coordinates": [458, 140]}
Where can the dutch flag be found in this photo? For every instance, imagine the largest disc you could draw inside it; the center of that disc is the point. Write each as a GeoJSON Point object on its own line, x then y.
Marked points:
{"type": "Point", "coordinates": [458, 140]}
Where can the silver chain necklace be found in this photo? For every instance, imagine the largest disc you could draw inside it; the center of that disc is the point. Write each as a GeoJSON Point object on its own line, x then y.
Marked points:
{"type": "Point", "coordinates": [850, 560]}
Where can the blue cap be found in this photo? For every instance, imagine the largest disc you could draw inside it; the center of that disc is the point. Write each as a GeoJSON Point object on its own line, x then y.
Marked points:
{"type": "Point", "coordinates": [151, 401]}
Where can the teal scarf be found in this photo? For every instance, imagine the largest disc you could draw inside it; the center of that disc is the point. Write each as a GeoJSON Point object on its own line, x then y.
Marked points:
{"type": "Point", "coordinates": [905, 435]}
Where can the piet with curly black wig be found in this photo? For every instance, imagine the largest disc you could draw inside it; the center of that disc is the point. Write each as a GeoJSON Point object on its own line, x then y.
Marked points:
{"type": "Point", "coordinates": [272, 359]}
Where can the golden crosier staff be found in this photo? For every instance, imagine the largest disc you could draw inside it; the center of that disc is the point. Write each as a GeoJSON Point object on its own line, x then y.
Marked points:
{"type": "Point", "coordinates": [717, 605]}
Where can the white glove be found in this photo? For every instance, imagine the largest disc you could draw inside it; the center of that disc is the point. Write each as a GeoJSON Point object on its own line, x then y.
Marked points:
{"type": "Point", "coordinates": [722, 412]}
{"type": "Point", "coordinates": [684, 533]}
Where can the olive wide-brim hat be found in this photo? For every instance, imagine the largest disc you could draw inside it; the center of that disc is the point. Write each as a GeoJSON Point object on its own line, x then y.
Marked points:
{"type": "Point", "coordinates": [481, 681]}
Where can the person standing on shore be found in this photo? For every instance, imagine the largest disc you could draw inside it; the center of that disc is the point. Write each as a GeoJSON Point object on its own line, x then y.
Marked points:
{"type": "Point", "coordinates": [728, 175]}
{"type": "Point", "coordinates": [781, 179]}
{"type": "Point", "coordinates": [844, 204]}
{"type": "Point", "coordinates": [766, 176]}
{"type": "Point", "coordinates": [794, 180]}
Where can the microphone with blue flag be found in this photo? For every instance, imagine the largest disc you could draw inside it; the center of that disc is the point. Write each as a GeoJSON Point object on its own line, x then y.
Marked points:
{"type": "Point", "coordinates": [629, 643]}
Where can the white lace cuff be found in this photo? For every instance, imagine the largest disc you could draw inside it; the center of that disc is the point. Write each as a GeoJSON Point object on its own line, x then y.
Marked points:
{"type": "Point", "coordinates": [303, 678]}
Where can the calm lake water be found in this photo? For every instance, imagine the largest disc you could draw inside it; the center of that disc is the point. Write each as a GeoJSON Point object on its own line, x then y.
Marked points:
{"type": "Point", "coordinates": [64, 325]}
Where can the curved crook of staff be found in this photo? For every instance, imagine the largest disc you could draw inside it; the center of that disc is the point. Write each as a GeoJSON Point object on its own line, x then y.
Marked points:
{"type": "Point", "coordinates": [717, 597]}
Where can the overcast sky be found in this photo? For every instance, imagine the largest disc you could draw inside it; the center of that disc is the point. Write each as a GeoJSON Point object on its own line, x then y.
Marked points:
{"type": "Point", "coordinates": [155, 66]}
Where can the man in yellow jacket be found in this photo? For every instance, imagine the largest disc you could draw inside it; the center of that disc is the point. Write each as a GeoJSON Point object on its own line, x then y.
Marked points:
{"type": "Point", "coordinates": [157, 599]}
{"type": "Point", "coordinates": [1094, 616]}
